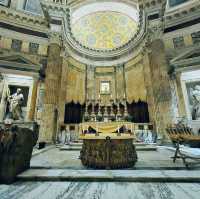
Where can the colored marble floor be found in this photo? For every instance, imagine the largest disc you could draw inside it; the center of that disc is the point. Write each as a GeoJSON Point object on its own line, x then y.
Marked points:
{"type": "Point", "coordinates": [55, 158]}
{"type": "Point", "coordinates": [99, 190]}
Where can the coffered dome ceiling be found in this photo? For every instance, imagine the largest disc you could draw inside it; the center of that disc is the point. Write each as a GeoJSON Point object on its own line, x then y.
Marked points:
{"type": "Point", "coordinates": [104, 29]}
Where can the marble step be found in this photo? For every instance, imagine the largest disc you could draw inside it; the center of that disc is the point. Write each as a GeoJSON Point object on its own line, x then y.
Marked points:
{"type": "Point", "coordinates": [110, 175]}
{"type": "Point", "coordinates": [76, 144]}
{"type": "Point", "coordinates": [37, 151]}
{"type": "Point", "coordinates": [78, 148]}
{"type": "Point", "coordinates": [135, 143]}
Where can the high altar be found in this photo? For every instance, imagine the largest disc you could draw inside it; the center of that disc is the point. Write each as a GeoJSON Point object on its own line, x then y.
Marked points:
{"type": "Point", "coordinates": [107, 145]}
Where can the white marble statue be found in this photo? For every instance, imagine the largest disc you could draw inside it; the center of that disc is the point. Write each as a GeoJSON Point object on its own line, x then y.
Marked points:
{"type": "Point", "coordinates": [15, 105]}
{"type": "Point", "coordinates": [64, 136]}
{"type": "Point", "coordinates": [1, 86]}
{"type": "Point", "coordinates": [195, 94]}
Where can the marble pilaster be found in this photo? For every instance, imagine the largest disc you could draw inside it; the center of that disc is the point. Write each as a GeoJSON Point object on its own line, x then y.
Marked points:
{"type": "Point", "coordinates": [148, 85]}
{"type": "Point", "coordinates": [90, 82]}
{"type": "Point", "coordinates": [63, 91]}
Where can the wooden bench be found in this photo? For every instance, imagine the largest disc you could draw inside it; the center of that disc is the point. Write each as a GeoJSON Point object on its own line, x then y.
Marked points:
{"type": "Point", "coordinates": [180, 134]}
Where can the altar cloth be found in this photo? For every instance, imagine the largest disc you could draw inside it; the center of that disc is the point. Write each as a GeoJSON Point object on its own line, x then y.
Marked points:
{"type": "Point", "coordinates": [106, 127]}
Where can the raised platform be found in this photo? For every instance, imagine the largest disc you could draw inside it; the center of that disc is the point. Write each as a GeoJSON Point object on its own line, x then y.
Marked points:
{"type": "Point", "coordinates": [110, 175]}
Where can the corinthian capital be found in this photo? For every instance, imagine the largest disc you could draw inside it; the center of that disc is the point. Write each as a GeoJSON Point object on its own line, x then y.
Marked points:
{"type": "Point", "coordinates": [155, 30]}
{"type": "Point", "coordinates": [55, 38]}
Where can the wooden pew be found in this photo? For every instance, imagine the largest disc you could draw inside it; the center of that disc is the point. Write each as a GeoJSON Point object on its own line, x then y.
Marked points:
{"type": "Point", "coordinates": [181, 134]}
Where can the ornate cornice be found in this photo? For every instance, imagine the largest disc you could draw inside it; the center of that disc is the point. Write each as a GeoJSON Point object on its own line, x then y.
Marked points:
{"type": "Point", "coordinates": [146, 4]}
{"type": "Point", "coordinates": [185, 61]}
{"type": "Point", "coordinates": [21, 18]}
{"type": "Point", "coordinates": [182, 13]}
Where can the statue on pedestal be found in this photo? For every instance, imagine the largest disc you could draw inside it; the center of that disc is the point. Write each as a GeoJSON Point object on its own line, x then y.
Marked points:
{"type": "Point", "coordinates": [195, 93]}
{"type": "Point", "coordinates": [15, 105]}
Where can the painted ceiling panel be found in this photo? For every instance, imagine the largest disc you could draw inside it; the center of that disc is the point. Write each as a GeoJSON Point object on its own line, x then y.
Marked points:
{"type": "Point", "coordinates": [104, 30]}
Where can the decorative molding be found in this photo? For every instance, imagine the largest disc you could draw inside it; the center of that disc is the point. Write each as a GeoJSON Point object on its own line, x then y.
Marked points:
{"type": "Point", "coordinates": [187, 60]}
{"type": "Point", "coordinates": [19, 63]}
{"type": "Point", "coordinates": [181, 14]}
{"type": "Point", "coordinates": [22, 18]}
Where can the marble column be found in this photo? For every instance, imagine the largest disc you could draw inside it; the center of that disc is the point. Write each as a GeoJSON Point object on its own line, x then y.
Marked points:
{"type": "Point", "coordinates": [160, 83]}
{"type": "Point", "coordinates": [52, 86]}
{"type": "Point", "coordinates": [33, 100]}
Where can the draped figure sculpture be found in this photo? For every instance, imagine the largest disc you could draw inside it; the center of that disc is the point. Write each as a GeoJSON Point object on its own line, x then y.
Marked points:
{"type": "Point", "coordinates": [195, 93]}
{"type": "Point", "coordinates": [15, 105]}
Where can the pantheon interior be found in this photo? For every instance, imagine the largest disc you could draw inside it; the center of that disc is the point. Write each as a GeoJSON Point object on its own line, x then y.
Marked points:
{"type": "Point", "coordinates": [109, 86]}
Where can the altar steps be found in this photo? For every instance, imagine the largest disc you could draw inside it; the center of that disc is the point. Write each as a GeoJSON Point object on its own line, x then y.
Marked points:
{"type": "Point", "coordinates": [139, 147]}
{"type": "Point", "coordinates": [110, 175]}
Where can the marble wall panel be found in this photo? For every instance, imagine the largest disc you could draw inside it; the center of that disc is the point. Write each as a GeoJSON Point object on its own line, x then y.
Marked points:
{"type": "Point", "coordinates": [135, 85]}
{"type": "Point", "coordinates": [25, 47]}
{"type": "Point", "coordinates": [5, 43]}
{"type": "Point", "coordinates": [75, 85]}
{"type": "Point", "coordinates": [188, 40]}
{"type": "Point", "coordinates": [104, 69]}
{"type": "Point", "coordinates": [43, 49]}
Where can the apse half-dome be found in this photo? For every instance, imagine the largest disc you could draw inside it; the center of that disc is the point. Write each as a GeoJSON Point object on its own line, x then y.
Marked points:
{"type": "Point", "coordinates": [105, 26]}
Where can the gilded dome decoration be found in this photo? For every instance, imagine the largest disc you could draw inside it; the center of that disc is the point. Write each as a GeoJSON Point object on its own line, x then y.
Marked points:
{"type": "Point", "coordinates": [104, 30]}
